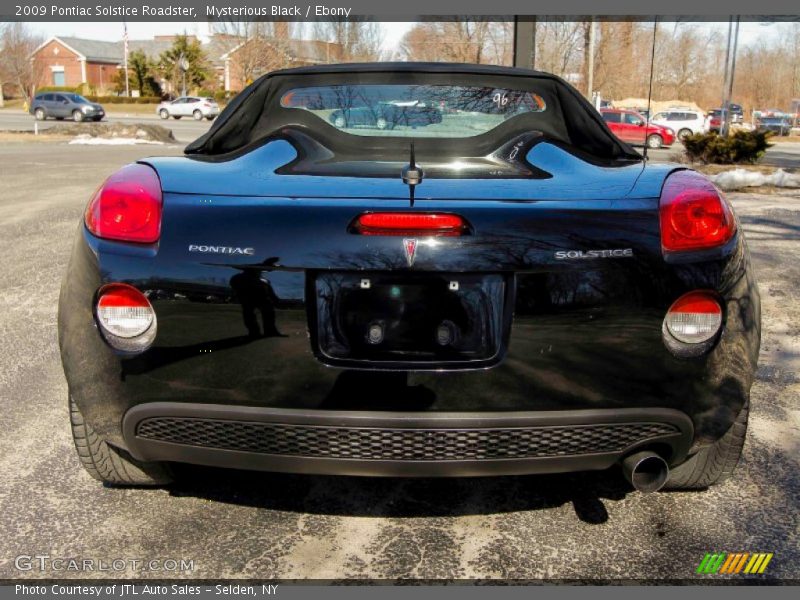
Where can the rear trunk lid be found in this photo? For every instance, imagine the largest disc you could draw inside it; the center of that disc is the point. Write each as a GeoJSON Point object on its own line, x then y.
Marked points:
{"type": "Point", "coordinates": [240, 212]}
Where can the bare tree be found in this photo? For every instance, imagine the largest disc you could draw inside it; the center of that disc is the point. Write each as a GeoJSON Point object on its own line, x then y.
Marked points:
{"type": "Point", "coordinates": [17, 69]}
{"type": "Point", "coordinates": [463, 40]}
{"type": "Point", "coordinates": [559, 44]}
{"type": "Point", "coordinates": [259, 47]}
{"type": "Point", "coordinates": [360, 41]}
{"type": "Point", "coordinates": [2, 70]}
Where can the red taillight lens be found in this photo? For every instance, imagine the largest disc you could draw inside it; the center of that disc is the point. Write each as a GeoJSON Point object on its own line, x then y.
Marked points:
{"type": "Point", "coordinates": [694, 215]}
{"type": "Point", "coordinates": [127, 207]}
{"type": "Point", "coordinates": [694, 317]}
{"type": "Point", "coordinates": [400, 223]}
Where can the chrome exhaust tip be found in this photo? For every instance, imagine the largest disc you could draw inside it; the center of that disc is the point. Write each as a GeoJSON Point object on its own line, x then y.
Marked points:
{"type": "Point", "coordinates": [646, 471]}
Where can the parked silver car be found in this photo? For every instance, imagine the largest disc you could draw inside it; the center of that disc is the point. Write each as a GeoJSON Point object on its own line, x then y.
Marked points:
{"type": "Point", "coordinates": [189, 106]}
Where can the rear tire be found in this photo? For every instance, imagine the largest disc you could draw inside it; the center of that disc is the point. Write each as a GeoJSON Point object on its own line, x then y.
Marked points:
{"type": "Point", "coordinates": [107, 463]}
{"type": "Point", "coordinates": [198, 116]}
{"type": "Point", "coordinates": [40, 114]}
{"type": "Point", "coordinates": [654, 141]}
{"type": "Point", "coordinates": [713, 464]}
{"type": "Point", "coordinates": [684, 133]}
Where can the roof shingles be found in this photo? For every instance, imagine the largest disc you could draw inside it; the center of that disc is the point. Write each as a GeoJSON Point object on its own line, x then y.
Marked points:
{"type": "Point", "coordinates": [312, 51]}
{"type": "Point", "coordinates": [113, 52]}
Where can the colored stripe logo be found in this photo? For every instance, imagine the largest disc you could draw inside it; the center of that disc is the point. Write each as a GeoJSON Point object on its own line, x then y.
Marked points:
{"type": "Point", "coordinates": [734, 563]}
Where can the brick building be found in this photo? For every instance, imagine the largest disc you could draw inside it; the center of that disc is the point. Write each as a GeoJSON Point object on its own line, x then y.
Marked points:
{"type": "Point", "coordinates": [70, 61]}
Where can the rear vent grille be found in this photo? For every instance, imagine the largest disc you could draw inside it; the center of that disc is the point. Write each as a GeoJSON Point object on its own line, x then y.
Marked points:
{"type": "Point", "coordinates": [371, 443]}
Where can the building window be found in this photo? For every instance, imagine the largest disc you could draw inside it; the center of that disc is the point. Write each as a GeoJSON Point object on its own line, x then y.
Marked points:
{"type": "Point", "coordinates": [58, 76]}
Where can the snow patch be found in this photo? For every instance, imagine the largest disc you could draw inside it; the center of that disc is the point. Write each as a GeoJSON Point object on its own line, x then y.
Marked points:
{"type": "Point", "coordinates": [741, 178]}
{"type": "Point", "coordinates": [88, 140]}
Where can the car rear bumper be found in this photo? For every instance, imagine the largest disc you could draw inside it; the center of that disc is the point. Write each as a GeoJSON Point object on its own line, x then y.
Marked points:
{"type": "Point", "coordinates": [581, 340]}
{"type": "Point", "coordinates": [401, 444]}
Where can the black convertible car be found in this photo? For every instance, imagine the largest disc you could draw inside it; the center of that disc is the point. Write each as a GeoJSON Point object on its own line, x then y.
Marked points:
{"type": "Point", "coordinates": [491, 295]}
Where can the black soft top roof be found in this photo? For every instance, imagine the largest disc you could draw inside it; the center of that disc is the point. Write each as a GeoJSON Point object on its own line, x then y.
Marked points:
{"type": "Point", "coordinates": [256, 115]}
{"type": "Point", "coordinates": [410, 67]}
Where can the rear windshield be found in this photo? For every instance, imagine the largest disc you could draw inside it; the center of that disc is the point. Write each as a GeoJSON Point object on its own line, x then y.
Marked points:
{"type": "Point", "coordinates": [361, 112]}
{"type": "Point", "coordinates": [433, 111]}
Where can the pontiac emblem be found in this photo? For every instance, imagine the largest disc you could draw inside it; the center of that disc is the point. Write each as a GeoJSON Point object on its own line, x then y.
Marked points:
{"type": "Point", "coordinates": [410, 246]}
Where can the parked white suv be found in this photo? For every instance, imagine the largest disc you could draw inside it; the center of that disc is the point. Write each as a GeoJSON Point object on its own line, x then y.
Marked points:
{"type": "Point", "coordinates": [682, 121]}
{"type": "Point", "coordinates": [189, 106]}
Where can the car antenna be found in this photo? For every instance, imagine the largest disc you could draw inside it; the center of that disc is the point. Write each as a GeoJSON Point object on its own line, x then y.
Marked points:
{"type": "Point", "coordinates": [411, 175]}
{"type": "Point", "coordinates": [650, 88]}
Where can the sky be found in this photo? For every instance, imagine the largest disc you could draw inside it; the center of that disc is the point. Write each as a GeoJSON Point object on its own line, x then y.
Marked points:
{"type": "Point", "coordinates": [142, 31]}
{"type": "Point", "coordinates": [749, 32]}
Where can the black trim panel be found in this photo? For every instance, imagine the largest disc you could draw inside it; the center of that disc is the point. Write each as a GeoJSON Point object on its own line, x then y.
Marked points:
{"type": "Point", "coordinates": [156, 450]}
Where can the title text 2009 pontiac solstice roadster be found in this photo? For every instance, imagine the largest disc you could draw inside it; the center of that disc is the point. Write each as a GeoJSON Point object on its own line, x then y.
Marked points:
{"type": "Point", "coordinates": [490, 284]}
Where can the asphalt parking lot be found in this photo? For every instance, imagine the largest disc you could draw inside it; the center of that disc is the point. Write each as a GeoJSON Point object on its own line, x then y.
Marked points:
{"type": "Point", "coordinates": [242, 524]}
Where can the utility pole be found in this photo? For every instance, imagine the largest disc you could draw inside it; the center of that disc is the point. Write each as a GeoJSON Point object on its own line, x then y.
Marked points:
{"type": "Point", "coordinates": [730, 73]}
{"type": "Point", "coordinates": [125, 51]}
{"type": "Point", "coordinates": [525, 42]}
{"type": "Point", "coordinates": [183, 63]}
{"type": "Point", "coordinates": [590, 61]}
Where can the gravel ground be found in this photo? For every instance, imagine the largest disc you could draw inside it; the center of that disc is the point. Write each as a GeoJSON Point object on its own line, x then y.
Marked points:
{"type": "Point", "coordinates": [239, 524]}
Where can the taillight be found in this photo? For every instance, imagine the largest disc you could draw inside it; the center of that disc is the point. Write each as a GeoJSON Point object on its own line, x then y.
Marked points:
{"type": "Point", "coordinates": [408, 223]}
{"type": "Point", "coordinates": [125, 317]}
{"type": "Point", "coordinates": [694, 215]}
{"type": "Point", "coordinates": [694, 318]}
{"type": "Point", "coordinates": [127, 207]}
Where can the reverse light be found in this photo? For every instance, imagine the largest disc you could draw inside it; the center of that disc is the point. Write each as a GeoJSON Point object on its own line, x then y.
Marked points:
{"type": "Point", "coordinates": [127, 207]}
{"type": "Point", "coordinates": [693, 214]}
{"type": "Point", "coordinates": [694, 318]}
{"type": "Point", "coordinates": [126, 317]}
{"type": "Point", "coordinates": [409, 223]}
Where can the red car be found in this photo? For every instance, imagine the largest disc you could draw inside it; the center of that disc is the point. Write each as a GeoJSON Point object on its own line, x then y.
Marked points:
{"type": "Point", "coordinates": [631, 127]}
